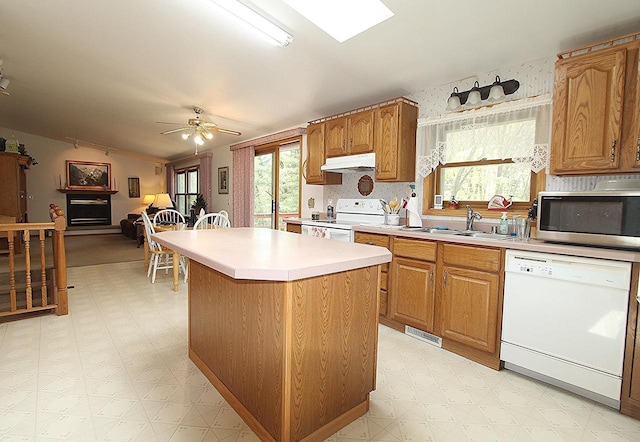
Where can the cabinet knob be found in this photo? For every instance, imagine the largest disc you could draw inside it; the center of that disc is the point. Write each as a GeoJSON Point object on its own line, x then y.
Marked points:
{"type": "Point", "coordinates": [431, 277]}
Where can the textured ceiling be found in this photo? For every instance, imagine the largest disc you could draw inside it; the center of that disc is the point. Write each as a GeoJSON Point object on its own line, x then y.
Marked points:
{"type": "Point", "coordinates": [105, 71]}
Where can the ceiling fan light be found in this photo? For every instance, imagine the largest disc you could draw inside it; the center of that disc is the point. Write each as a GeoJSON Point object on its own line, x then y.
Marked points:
{"type": "Point", "coordinates": [198, 140]}
{"type": "Point", "coordinates": [185, 136]}
{"type": "Point", "coordinates": [208, 135]}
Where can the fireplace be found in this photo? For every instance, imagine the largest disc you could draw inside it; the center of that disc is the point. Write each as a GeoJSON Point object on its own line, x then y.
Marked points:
{"type": "Point", "coordinates": [88, 209]}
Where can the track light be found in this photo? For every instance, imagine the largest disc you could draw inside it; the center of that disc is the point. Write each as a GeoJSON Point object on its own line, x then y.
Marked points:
{"type": "Point", "coordinates": [493, 93]}
{"type": "Point", "coordinates": [106, 153]}
{"type": "Point", "coordinates": [76, 145]}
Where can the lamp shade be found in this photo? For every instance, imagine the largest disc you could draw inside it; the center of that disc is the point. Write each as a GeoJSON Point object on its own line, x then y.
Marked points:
{"type": "Point", "coordinates": [474, 95]}
{"type": "Point", "coordinates": [162, 201]}
{"type": "Point", "coordinates": [497, 91]}
{"type": "Point", "coordinates": [453, 102]}
{"type": "Point", "coordinates": [149, 198]}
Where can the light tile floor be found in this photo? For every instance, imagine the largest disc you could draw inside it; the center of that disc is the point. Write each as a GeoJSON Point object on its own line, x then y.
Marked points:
{"type": "Point", "coordinates": [116, 369]}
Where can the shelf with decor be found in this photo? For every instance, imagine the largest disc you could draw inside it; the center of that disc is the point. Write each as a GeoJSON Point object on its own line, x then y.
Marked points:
{"type": "Point", "coordinates": [86, 191]}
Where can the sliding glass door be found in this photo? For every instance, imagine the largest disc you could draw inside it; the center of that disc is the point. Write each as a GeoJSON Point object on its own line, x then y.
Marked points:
{"type": "Point", "coordinates": [277, 184]}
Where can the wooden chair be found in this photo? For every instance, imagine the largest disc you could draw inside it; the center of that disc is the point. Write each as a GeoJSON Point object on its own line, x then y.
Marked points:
{"type": "Point", "coordinates": [161, 258]}
{"type": "Point", "coordinates": [212, 221]}
{"type": "Point", "coordinates": [168, 216]}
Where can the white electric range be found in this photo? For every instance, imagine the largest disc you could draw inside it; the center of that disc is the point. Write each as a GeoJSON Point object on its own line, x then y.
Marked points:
{"type": "Point", "coordinates": [349, 213]}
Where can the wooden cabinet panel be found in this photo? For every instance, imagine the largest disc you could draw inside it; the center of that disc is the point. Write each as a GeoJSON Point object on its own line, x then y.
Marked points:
{"type": "Point", "coordinates": [360, 132]}
{"type": "Point", "coordinates": [13, 198]}
{"type": "Point", "coordinates": [294, 228]}
{"type": "Point", "coordinates": [470, 307]}
{"type": "Point", "coordinates": [630, 395]}
{"type": "Point", "coordinates": [372, 239]}
{"type": "Point", "coordinates": [316, 157]}
{"type": "Point", "coordinates": [588, 94]}
{"type": "Point", "coordinates": [335, 141]}
{"type": "Point", "coordinates": [413, 293]}
{"type": "Point", "coordinates": [478, 258]}
{"type": "Point", "coordinates": [411, 248]}
{"type": "Point", "coordinates": [395, 142]}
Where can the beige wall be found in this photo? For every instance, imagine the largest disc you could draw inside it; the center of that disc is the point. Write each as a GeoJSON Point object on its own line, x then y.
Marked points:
{"type": "Point", "coordinates": [42, 178]}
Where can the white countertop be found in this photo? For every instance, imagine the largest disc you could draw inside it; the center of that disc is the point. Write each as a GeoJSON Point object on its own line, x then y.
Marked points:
{"type": "Point", "coordinates": [272, 255]}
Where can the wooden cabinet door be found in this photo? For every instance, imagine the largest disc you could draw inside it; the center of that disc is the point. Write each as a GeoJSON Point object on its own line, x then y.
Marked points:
{"type": "Point", "coordinates": [587, 112]}
{"type": "Point", "coordinates": [386, 141]}
{"type": "Point", "coordinates": [335, 140]}
{"type": "Point", "coordinates": [412, 299]}
{"type": "Point", "coordinates": [360, 132]}
{"type": "Point", "coordinates": [12, 197]}
{"type": "Point", "coordinates": [316, 158]}
{"type": "Point", "coordinates": [470, 307]}
{"type": "Point", "coordinates": [294, 228]}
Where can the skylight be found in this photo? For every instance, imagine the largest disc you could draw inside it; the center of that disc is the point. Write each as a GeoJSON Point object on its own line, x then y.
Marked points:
{"type": "Point", "coordinates": [342, 19]}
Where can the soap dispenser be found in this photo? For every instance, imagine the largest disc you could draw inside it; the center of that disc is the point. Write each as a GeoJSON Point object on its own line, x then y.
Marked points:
{"type": "Point", "coordinates": [504, 224]}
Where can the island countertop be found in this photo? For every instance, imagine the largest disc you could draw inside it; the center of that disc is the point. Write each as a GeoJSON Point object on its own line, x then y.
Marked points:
{"type": "Point", "coordinates": [272, 255]}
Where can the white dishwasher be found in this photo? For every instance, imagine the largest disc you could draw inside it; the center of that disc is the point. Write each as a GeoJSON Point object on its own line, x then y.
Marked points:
{"type": "Point", "coordinates": [564, 321]}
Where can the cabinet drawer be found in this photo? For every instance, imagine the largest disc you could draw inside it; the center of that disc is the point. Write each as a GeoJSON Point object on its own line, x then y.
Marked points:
{"type": "Point", "coordinates": [417, 249]}
{"type": "Point", "coordinates": [384, 277]}
{"type": "Point", "coordinates": [372, 239]}
{"type": "Point", "coordinates": [383, 302]}
{"type": "Point", "coordinates": [478, 258]}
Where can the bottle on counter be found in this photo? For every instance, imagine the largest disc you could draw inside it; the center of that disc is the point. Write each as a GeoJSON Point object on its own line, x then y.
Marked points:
{"type": "Point", "coordinates": [330, 209]}
{"type": "Point", "coordinates": [504, 224]}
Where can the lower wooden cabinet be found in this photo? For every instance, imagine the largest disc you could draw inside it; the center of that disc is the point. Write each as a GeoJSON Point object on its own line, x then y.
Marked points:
{"type": "Point", "coordinates": [295, 228]}
{"type": "Point", "coordinates": [412, 294]}
{"type": "Point", "coordinates": [470, 301]}
{"type": "Point", "coordinates": [382, 241]}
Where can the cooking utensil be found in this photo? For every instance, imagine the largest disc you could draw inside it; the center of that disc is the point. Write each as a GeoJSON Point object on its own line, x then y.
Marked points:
{"type": "Point", "coordinates": [385, 206]}
{"type": "Point", "coordinates": [394, 205]}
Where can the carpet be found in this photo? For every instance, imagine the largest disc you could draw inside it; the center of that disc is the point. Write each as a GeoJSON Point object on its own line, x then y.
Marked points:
{"type": "Point", "coordinates": [83, 250]}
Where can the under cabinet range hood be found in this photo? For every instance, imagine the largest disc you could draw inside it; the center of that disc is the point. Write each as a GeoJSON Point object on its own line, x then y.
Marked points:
{"type": "Point", "coordinates": [351, 163]}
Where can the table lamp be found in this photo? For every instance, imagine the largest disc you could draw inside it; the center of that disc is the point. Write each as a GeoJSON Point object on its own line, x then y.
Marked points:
{"type": "Point", "coordinates": [162, 201]}
{"type": "Point", "coordinates": [148, 200]}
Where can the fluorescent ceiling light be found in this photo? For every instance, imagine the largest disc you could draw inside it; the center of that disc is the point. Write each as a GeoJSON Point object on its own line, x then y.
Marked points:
{"type": "Point", "coordinates": [272, 32]}
{"type": "Point", "coordinates": [342, 19]}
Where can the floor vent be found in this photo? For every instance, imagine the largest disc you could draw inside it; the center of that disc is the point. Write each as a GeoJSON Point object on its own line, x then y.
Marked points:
{"type": "Point", "coordinates": [423, 336]}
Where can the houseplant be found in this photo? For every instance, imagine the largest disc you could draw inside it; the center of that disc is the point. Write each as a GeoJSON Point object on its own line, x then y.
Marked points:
{"type": "Point", "coordinates": [198, 204]}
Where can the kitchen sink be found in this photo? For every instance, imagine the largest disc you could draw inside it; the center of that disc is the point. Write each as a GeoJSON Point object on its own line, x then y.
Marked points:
{"type": "Point", "coordinates": [485, 235]}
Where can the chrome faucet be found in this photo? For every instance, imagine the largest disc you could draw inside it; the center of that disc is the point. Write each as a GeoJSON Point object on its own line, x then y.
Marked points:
{"type": "Point", "coordinates": [471, 216]}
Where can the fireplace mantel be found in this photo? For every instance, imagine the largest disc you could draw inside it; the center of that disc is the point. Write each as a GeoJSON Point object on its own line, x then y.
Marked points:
{"type": "Point", "coordinates": [87, 191]}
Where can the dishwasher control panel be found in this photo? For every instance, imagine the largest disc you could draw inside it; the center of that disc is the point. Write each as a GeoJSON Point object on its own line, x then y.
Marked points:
{"type": "Point", "coordinates": [593, 271]}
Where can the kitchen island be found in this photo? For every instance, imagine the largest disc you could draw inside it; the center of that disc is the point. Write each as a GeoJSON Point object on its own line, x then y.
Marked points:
{"type": "Point", "coordinates": [283, 325]}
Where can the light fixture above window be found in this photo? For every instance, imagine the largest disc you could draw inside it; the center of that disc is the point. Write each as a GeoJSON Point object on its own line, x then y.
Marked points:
{"type": "Point", "coordinates": [493, 93]}
{"type": "Point", "coordinates": [342, 19]}
{"type": "Point", "coordinates": [271, 31]}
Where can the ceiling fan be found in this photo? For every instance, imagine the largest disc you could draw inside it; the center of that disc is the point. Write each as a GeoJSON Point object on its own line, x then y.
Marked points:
{"type": "Point", "coordinates": [199, 129]}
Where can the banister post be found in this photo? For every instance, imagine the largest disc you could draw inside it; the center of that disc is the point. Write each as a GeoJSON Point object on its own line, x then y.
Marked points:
{"type": "Point", "coordinates": [60, 262]}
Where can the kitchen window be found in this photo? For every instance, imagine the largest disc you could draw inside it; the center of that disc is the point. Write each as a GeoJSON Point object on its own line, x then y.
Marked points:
{"type": "Point", "coordinates": [476, 154]}
{"type": "Point", "coordinates": [186, 188]}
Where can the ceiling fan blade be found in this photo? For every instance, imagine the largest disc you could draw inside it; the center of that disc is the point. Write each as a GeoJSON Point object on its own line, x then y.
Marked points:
{"type": "Point", "coordinates": [226, 131]}
{"type": "Point", "coordinates": [5, 93]}
{"type": "Point", "coordinates": [164, 122]}
{"type": "Point", "coordinates": [174, 130]}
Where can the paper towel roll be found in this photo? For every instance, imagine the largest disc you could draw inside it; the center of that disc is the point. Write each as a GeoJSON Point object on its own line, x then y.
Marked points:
{"type": "Point", "coordinates": [413, 213]}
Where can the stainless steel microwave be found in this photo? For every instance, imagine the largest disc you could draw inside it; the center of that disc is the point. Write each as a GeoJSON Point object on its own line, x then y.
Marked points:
{"type": "Point", "coordinates": [609, 218]}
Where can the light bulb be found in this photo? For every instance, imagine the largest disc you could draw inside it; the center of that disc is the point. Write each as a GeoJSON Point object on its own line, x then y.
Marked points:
{"type": "Point", "coordinates": [208, 135]}
{"type": "Point", "coordinates": [198, 140]}
{"type": "Point", "coordinates": [453, 102]}
{"type": "Point", "coordinates": [185, 136]}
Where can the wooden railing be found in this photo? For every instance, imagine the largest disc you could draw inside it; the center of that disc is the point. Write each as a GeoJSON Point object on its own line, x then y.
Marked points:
{"type": "Point", "coordinates": [19, 302]}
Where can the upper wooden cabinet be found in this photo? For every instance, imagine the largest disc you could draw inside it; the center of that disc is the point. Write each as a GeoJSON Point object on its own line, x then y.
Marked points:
{"type": "Point", "coordinates": [349, 135]}
{"type": "Point", "coordinates": [316, 157]}
{"type": "Point", "coordinates": [595, 112]}
{"type": "Point", "coordinates": [395, 142]}
{"type": "Point", "coordinates": [387, 128]}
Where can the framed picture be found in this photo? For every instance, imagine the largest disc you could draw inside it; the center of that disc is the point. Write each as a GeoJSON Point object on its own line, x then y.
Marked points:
{"type": "Point", "coordinates": [223, 179]}
{"type": "Point", "coordinates": [88, 175]}
{"type": "Point", "coordinates": [134, 187]}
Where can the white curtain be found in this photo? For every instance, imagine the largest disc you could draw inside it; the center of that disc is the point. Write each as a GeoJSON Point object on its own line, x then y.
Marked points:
{"type": "Point", "coordinates": [436, 136]}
